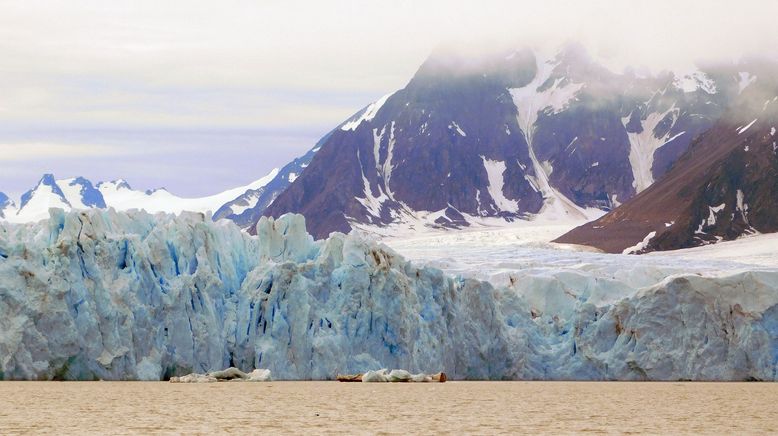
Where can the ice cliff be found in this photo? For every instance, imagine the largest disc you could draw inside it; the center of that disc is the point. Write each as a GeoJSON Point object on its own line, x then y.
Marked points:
{"type": "Point", "coordinates": [108, 295]}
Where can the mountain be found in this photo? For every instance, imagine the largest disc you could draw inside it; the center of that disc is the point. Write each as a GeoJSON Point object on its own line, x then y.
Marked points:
{"type": "Point", "coordinates": [119, 195]}
{"type": "Point", "coordinates": [6, 205]}
{"type": "Point", "coordinates": [36, 202]}
{"type": "Point", "coordinates": [246, 209]}
{"type": "Point", "coordinates": [79, 193]}
{"type": "Point", "coordinates": [507, 135]}
{"type": "Point", "coordinates": [723, 188]}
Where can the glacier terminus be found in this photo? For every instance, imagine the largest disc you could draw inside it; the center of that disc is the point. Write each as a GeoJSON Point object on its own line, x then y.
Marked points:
{"type": "Point", "coordinates": [100, 294]}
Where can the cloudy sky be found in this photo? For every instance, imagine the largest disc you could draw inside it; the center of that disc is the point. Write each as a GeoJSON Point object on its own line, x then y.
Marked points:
{"type": "Point", "coordinates": [200, 96]}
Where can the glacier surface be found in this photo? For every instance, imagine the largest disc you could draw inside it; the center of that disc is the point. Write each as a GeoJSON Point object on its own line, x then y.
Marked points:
{"type": "Point", "coordinates": [132, 296]}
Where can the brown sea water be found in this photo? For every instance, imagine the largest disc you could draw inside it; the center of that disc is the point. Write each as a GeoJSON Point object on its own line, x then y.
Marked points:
{"type": "Point", "coordinates": [337, 408]}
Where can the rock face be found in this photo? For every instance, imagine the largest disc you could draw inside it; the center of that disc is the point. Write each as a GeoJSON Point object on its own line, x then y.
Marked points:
{"type": "Point", "coordinates": [510, 134]}
{"type": "Point", "coordinates": [117, 296]}
{"type": "Point", "coordinates": [6, 205]}
{"type": "Point", "coordinates": [724, 187]}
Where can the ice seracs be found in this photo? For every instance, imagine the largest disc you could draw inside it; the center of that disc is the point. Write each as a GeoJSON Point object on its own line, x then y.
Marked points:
{"type": "Point", "coordinates": [115, 296]}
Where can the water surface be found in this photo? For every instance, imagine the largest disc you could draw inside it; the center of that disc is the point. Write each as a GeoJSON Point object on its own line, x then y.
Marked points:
{"type": "Point", "coordinates": [331, 407]}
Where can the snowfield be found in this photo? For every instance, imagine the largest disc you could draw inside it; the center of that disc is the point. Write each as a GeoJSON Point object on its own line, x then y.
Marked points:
{"type": "Point", "coordinates": [495, 253]}
{"type": "Point", "coordinates": [109, 295]}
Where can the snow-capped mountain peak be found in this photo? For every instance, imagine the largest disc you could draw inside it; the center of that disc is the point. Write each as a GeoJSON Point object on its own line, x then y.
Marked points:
{"type": "Point", "coordinates": [35, 203]}
{"type": "Point", "coordinates": [114, 185]}
{"type": "Point", "coordinates": [79, 193]}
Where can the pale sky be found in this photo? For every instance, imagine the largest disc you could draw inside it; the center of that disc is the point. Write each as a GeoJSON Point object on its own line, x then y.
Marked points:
{"type": "Point", "coordinates": [202, 96]}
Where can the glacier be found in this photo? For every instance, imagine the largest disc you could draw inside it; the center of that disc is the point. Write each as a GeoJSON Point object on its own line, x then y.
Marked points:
{"type": "Point", "coordinates": [100, 294]}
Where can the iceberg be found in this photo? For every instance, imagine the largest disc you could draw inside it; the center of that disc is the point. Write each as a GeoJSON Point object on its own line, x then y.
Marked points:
{"type": "Point", "coordinates": [112, 295]}
{"type": "Point", "coordinates": [229, 374]}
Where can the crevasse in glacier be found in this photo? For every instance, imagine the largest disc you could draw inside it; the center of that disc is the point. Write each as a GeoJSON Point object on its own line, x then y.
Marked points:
{"type": "Point", "coordinates": [107, 295]}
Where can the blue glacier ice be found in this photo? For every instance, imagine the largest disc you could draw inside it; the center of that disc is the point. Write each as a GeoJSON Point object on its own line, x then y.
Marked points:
{"type": "Point", "coordinates": [131, 296]}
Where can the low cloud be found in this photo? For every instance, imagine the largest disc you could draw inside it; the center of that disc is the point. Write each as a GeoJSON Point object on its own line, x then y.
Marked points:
{"type": "Point", "coordinates": [296, 65]}
{"type": "Point", "coordinates": [26, 151]}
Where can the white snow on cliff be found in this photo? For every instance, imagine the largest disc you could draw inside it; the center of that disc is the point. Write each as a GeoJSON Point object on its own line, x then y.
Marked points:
{"type": "Point", "coordinates": [530, 101]}
{"type": "Point", "coordinates": [366, 115]}
{"type": "Point", "coordinates": [494, 171]}
{"type": "Point", "coordinates": [644, 145]}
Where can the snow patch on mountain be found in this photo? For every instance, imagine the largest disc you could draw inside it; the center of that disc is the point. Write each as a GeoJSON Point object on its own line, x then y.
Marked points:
{"type": "Point", "coordinates": [494, 172]}
{"type": "Point", "coordinates": [529, 101]}
{"type": "Point", "coordinates": [372, 203]}
{"type": "Point", "coordinates": [742, 129]}
{"type": "Point", "coordinates": [459, 130]}
{"type": "Point", "coordinates": [695, 80]}
{"type": "Point", "coordinates": [640, 245]}
{"type": "Point", "coordinates": [744, 79]}
{"type": "Point", "coordinates": [712, 212]}
{"type": "Point", "coordinates": [643, 146]}
{"type": "Point", "coordinates": [366, 115]}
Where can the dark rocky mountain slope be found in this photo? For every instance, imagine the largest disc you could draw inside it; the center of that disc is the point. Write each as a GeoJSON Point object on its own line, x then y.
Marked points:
{"type": "Point", "coordinates": [506, 135]}
{"type": "Point", "coordinates": [724, 187]}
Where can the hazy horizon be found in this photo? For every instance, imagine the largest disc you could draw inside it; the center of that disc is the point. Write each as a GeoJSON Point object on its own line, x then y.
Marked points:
{"type": "Point", "coordinates": [197, 99]}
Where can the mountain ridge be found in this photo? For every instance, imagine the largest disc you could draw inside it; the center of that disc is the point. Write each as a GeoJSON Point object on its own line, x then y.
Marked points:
{"type": "Point", "coordinates": [510, 136]}
{"type": "Point", "coordinates": [722, 188]}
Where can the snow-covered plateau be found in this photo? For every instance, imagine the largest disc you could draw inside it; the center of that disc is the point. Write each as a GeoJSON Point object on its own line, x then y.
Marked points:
{"type": "Point", "coordinates": [120, 296]}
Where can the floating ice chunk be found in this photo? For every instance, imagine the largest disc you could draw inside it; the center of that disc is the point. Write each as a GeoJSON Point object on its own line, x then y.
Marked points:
{"type": "Point", "coordinates": [421, 378]}
{"type": "Point", "coordinates": [194, 378]}
{"type": "Point", "coordinates": [259, 375]}
{"type": "Point", "coordinates": [399, 375]}
{"type": "Point", "coordinates": [375, 376]}
{"type": "Point", "coordinates": [229, 374]}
